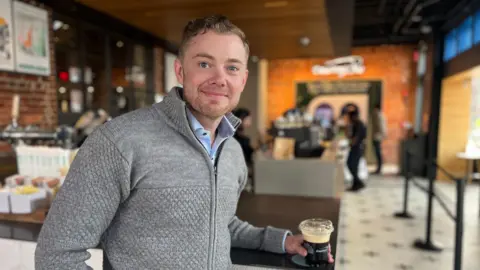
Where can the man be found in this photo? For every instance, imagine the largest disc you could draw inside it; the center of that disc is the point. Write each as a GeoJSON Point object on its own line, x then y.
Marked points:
{"type": "Point", "coordinates": [379, 131]}
{"type": "Point", "coordinates": [357, 136]}
{"type": "Point", "coordinates": [158, 187]}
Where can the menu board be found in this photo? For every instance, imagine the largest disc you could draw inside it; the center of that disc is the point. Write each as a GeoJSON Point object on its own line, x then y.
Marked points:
{"type": "Point", "coordinates": [6, 40]}
{"type": "Point", "coordinates": [475, 105]}
{"type": "Point", "coordinates": [32, 48]}
{"type": "Point", "coordinates": [473, 144]}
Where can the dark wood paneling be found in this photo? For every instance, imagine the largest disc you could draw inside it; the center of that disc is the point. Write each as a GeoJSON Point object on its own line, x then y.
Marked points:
{"type": "Point", "coordinates": [273, 27]}
{"type": "Point", "coordinates": [341, 30]}
{"type": "Point", "coordinates": [75, 10]}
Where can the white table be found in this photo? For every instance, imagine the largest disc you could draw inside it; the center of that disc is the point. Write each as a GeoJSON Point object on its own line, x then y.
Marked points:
{"type": "Point", "coordinates": [470, 158]}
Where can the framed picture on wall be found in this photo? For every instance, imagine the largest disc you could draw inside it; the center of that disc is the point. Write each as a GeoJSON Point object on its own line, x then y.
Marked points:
{"type": "Point", "coordinates": [6, 36]}
{"type": "Point", "coordinates": [32, 46]}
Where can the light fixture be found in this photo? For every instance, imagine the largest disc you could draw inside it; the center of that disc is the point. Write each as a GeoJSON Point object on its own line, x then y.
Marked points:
{"type": "Point", "coordinates": [62, 90]}
{"type": "Point", "coordinates": [425, 29]}
{"type": "Point", "coordinates": [119, 89]}
{"type": "Point", "coordinates": [416, 18]}
{"type": "Point", "coordinates": [90, 89]}
{"type": "Point", "coordinates": [57, 25]}
{"type": "Point", "coordinates": [119, 44]}
{"type": "Point", "coordinates": [305, 41]}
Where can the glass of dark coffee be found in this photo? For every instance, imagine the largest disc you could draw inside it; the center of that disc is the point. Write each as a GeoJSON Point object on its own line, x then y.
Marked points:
{"type": "Point", "coordinates": [316, 237]}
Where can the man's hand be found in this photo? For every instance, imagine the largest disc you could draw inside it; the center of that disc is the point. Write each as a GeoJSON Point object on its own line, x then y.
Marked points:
{"type": "Point", "coordinates": [293, 245]}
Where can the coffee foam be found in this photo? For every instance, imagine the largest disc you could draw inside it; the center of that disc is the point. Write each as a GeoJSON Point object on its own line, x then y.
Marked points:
{"type": "Point", "coordinates": [317, 238]}
{"type": "Point", "coordinates": [316, 230]}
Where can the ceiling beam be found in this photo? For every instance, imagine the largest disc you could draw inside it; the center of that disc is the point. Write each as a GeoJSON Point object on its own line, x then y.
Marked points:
{"type": "Point", "coordinates": [381, 7]}
{"type": "Point", "coordinates": [385, 40]}
{"type": "Point", "coordinates": [341, 31]}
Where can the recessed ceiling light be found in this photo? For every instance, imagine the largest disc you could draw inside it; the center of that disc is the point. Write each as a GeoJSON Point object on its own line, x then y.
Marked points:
{"type": "Point", "coordinates": [57, 25]}
{"type": "Point", "coordinates": [305, 41]}
{"type": "Point", "coordinates": [275, 4]}
{"type": "Point", "coordinates": [425, 29]}
{"type": "Point", "coordinates": [417, 18]}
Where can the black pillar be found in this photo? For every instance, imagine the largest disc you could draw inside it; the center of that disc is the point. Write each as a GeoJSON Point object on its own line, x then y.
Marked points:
{"type": "Point", "coordinates": [437, 77]}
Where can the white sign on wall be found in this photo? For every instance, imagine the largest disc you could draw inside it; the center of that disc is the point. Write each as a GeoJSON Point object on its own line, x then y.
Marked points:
{"type": "Point", "coordinates": [473, 143]}
{"type": "Point", "coordinates": [343, 66]}
{"type": "Point", "coordinates": [32, 47]}
{"type": "Point", "coordinates": [6, 36]}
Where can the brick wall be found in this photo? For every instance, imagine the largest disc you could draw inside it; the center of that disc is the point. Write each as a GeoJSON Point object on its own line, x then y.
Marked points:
{"type": "Point", "coordinates": [38, 96]}
{"type": "Point", "coordinates": [393, 65]}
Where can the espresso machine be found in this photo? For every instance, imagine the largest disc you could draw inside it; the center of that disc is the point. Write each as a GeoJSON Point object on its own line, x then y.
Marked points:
{"type": "Point", "coordinates": [15, 134]}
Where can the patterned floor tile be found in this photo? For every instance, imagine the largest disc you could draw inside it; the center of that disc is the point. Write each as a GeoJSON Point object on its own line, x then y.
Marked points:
{"type": "Point", "coordinates": [372, 238]}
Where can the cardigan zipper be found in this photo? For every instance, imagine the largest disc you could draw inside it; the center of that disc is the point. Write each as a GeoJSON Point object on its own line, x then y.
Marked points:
{"type": "Point", "coordinates": [215, 168]}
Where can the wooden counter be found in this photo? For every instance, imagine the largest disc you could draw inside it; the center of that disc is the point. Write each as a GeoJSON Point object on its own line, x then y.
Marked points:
{"type": "Point", "coordinates": [37, 217]}
{"type": "Point", "coordinates": [260, 210]}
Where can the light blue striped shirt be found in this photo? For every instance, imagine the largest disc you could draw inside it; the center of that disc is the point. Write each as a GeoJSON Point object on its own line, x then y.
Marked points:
{"type": "Point", "coordinates": [225, 131]}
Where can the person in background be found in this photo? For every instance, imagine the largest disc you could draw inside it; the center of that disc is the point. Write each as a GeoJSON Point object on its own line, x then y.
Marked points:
{"type": "Point", "coordinates": [240, 135]}
{"type": "Point", "coordinates": [379, 131]}
{"type": "Point", "coordinates": [357, 136]}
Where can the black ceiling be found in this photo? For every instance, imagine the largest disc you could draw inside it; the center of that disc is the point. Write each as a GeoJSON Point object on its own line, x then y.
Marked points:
{"type": "Point", "coordinates": [405, 21]}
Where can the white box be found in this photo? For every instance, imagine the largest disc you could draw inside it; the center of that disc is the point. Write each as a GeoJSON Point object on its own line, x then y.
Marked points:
{"type": "Point", "coordinates": [12, 183]}
{"type": "Point", "coordinates": [4, 201]}
{"type": "Point", "coordinates": [27, 204]}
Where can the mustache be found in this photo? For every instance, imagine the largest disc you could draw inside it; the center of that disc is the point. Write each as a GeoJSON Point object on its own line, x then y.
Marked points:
{"type": "Point", "coordinates": [214, 90]}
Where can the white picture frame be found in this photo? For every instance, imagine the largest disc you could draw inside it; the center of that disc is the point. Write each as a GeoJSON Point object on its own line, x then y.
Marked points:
{"type": "Point", "coordinates": [7, 54]}
{"type": "Point", "coordinates": [32, 39]}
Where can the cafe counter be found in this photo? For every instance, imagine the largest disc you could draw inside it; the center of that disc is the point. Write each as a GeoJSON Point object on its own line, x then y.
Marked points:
{"type": "Point", "coordinates": [17, 239]}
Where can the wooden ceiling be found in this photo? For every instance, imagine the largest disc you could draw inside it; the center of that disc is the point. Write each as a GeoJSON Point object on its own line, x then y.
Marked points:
{"type": "Point", "coordinates": [273, 27]}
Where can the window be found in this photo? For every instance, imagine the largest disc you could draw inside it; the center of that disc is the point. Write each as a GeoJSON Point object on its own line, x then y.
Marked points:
{"type": "Point", "coordinates": [450, 45]}
{"type": "Point", "coordinates": [138, 76]}
{"type": "Point", "coordinates": [98, 68]}
{"type": "Point", "coordinates": [94, 69]}
{"type": "Point", "coordinates": [67, 61]}
{"type": "Point", "coordinates": [465, 35]}
{"type": "Point", "coordinates": [476, 27]}
{"type": "Point", "coordinates": [121, 92]}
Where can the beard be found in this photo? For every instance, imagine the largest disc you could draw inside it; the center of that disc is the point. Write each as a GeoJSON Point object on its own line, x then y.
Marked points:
{"type": "Point", "coordinates": [212, 108]}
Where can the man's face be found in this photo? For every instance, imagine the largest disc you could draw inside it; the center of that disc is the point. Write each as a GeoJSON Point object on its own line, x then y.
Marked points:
{"type": "Point", "coordinates": [247, 121]}
{"type": "Point", "coordinates": [213, 73]}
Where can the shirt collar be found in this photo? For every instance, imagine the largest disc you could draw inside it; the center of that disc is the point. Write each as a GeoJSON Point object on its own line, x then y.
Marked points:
{"type": "Point", "coordinates": [225, 129]}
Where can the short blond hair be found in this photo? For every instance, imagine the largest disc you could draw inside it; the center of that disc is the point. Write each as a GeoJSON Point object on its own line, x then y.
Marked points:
{"type": "Point", "coordinates": [218, 23]}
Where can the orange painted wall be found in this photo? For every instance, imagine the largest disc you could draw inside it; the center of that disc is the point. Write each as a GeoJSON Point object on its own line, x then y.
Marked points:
{"type": "Point", "coordinates": [392, 64]}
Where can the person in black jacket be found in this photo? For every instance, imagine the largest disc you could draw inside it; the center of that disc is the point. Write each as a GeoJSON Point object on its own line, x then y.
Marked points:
{"type": "Point", "coordinates": [240, 135]}
{"type": "Point", "coordinates": [357, 135]}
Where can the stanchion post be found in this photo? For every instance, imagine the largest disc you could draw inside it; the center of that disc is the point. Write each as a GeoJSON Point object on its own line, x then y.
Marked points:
{"type": "Point", "coordinates": [459, 224]}
{"type": "Point", "coordinates": [428, 245]}
{"type": "Point", "coordinates": [431, 181]}
{"type": "Point", "coordinates": [407, 176]}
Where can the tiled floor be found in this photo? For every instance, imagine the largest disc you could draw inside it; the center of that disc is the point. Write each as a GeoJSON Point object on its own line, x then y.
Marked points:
{"type": "Point", "coordinates": [371, 238]}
